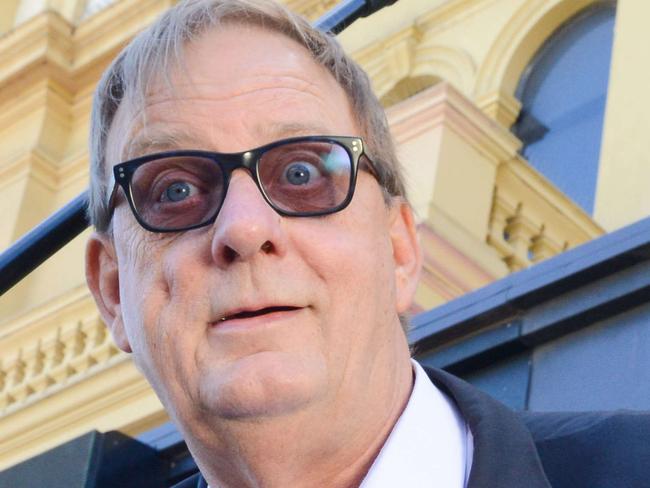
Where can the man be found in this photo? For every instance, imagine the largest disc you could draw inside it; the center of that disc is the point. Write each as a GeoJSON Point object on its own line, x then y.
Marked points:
{"type": "Point", "coordinates": [255, 252]}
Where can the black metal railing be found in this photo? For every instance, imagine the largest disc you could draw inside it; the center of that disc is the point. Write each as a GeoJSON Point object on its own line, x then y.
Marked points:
{"type": "Point", "coordinates": [35, 247]}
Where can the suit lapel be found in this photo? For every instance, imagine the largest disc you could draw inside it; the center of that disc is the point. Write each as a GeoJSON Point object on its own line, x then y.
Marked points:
{"type": "Point", "coordinates": [504, 452]}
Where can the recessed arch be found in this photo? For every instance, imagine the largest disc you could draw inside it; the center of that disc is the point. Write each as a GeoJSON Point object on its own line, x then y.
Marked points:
{"type": "Point", "coordinates": [455, 66]}
{"type": "Point", "coordinates": [518, 42]}
{"type": "Point", "coordinates": [563, 93]}
{"type": "Point", "coordinates": [429, 65]}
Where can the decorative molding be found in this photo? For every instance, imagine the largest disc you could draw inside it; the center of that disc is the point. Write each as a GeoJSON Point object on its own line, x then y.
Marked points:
{"type": "Point", "coordinates": [45, 39]}
{"type": "Point", "coordinates": [115, 397]}
{"type": "Point", "coordinates": [61, 374]}
{"type": "Point", "coordinates": [502, 107]}
{"type": "Point", "coordinates": [412, 54]}
{"type": "Point", "coordinates": [48, 46]}
{"type": "Point", "coordinates": [447, 271]}
{"type": "Point", "coordinates": [75, 171]}
{"type": "Point", "coordinates": [98, 38]}
{"type": "Point", "coordinates": [519, 40]}
{"type": "Point", "coordinates": [14, 171]}
{"type": "Point", "coordinates": [531, 219]}
{"type": "Point", "coordinates": [43, 170]}
{"type": "Point", "coordinates": [484, 256]}
{"type": "Point", "coordinates": [46, 352]}
{"type": "Point", "coordinates": [444, 105]}
{"type": "Point", "coordinates": [37, 165]}
{"type": "Point", "coordinates": [557, 201]}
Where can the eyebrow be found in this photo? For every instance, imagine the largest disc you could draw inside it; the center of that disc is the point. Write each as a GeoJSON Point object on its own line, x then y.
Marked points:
{"type": "Point", "coordinates": [159, 140]}
{"type": "Point", "coordinates": [291, 129]}
{"type": "Point", "coordinates": [166, 139]}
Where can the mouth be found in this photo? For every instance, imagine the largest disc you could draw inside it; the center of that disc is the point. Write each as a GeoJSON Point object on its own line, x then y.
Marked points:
{"type": "Point", "coordinates": [247, 314]}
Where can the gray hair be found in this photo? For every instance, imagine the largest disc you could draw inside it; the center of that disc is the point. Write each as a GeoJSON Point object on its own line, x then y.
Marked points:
{"type": "Point", "coordinates": [150, 55]}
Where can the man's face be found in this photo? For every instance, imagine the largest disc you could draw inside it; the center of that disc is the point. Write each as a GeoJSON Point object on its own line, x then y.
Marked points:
{"type": "Point", "coordinates": [310, 304]}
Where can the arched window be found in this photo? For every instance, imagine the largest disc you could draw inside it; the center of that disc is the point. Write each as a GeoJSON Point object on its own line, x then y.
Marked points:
{"type": "Point", "coordinates": [563, 93]}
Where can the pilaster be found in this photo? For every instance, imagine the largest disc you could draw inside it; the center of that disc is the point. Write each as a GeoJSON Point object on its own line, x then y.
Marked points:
{"type": "Point", "coordinates": [622, 195]}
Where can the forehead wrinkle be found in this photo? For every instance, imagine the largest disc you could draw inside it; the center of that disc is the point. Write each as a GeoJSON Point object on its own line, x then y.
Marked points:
{"type": "Point", "coordinates": [230, 88]}
{"type": "Point", "coordinates": [167, 138]}
{"type": "Point", "coordinates": [159, 139]}
{"type": "Point", "coordinates": [282, 130]}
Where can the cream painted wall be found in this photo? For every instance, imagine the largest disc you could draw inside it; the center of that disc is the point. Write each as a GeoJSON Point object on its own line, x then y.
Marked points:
{"type": "Point", "coordinates": [623, 192]}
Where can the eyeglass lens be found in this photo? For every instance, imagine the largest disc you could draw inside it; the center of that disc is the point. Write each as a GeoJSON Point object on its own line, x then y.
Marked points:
{"type": "Point", "coordinates": [300, 177]}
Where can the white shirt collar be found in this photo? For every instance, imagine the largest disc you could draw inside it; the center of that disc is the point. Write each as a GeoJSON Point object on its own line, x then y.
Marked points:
{"type": "Point", "coordinates": [430, 445]}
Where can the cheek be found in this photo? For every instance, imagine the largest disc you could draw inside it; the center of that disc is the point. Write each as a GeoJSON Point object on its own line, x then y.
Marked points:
{"type": "Point", "coordinates": [163, 319]}
{"type": "Point", "coordinates": [354, 264]}
{"type": "Point", "coordinates": [159, 296]}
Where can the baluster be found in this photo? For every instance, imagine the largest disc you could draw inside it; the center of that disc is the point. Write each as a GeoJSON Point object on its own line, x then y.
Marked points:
{"type": "Point", "coordinates": [544, 246]}
{"type": "Point", "coordinates": [502, 211]}
{"type": "Point", "coordinates": [521, 231]}
{"type": "Point", "coordinates": [38, 379]}
{"type": "Point", "coordinates": [4, 387]}
{"type": "Point", "coordinates": [56, 359]}
{"type": "Point", "coordinates": [16, 376]}
{"type": "Point", "coordinates": [80, 359]}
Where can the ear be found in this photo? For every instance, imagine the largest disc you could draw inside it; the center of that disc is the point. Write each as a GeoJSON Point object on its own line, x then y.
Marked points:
{"type": "Point", "coordinates": [103, 280]}
{"type": "Point", "coordinates": [407, 254]}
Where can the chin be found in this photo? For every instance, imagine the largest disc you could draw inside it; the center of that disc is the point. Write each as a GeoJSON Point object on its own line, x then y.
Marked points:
{"type": "Point", "coordinates": [262, 385]}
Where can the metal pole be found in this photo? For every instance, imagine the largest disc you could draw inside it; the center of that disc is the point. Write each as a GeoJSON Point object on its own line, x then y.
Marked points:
{"type": "Point", "coordinates": [28, 252]}
{"type": "Point", "coordinates": [35, 247]}
{"type": "Point", "coordinates": [347, 12]}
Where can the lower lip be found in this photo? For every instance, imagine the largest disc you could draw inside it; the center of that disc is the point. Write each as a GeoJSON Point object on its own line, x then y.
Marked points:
{"type": "Point", "coordinates": [255, 322]}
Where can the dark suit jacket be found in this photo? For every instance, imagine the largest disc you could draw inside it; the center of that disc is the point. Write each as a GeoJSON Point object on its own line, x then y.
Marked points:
{"type": "Point", "coordinates": [563, 450]}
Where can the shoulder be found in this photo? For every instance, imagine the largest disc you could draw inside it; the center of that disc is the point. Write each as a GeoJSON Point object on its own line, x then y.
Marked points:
{"type": "Point", "coordinates": [576, 449]}
{"type": "Point", "coordinates": [595, 449]}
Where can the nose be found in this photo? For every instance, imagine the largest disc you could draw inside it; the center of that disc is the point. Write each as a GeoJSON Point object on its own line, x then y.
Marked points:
{"type": "Point", "coordinates": [246, 226]}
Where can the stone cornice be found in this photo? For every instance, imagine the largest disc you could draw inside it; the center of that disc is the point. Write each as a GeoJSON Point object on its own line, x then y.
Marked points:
{"type": "Point", "coordinates": [108, 31]}
{"type": "Point", "coordinates": [38, 166]}
{"type": "Point", "coordinates": [45, 39]}
{"type": "Point", "coordinates": [444, 105]}
{"type": "Point", "coordinates": [13, 171]}
{"type": "Point", "coordinates": [49, 46]}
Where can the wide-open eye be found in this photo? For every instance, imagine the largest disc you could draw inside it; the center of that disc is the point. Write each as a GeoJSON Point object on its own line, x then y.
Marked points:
{"type": "Point", "coordinates": [301, 173]}
{"type": "Point", "coordinates": [306, 175]}
{"type": "Point", "coordinates": [179, 191]}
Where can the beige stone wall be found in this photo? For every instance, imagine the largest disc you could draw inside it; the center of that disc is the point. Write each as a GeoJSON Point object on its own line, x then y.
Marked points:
{"type": "Point", "coordinates": [446, 70]}
{"type": "Point", "coordinates": [623, 194]}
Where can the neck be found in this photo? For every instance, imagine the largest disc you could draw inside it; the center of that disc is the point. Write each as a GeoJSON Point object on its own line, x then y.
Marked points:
{"type": "Point", "coordinates": [332, 445]}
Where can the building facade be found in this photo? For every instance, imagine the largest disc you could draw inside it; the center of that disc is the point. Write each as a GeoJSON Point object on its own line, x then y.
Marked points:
{"type": "Point", "coordinates": [520, 125]}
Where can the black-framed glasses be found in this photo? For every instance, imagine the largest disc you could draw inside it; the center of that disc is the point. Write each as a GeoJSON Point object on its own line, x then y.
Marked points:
{"type": "Point", "coordinates": [174, 191]}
